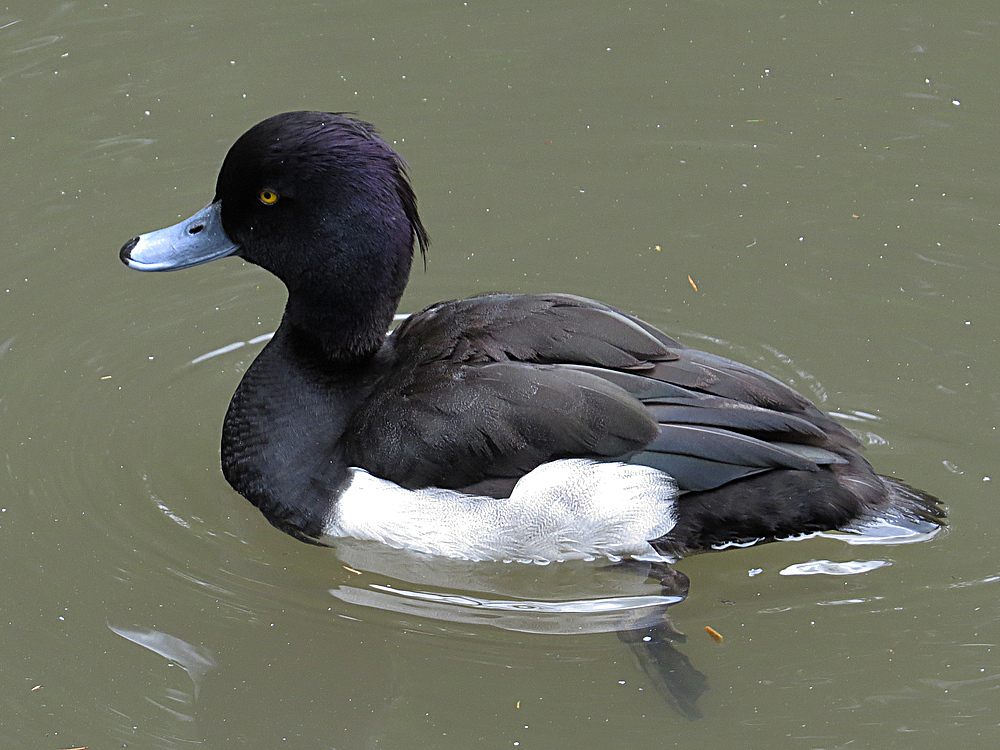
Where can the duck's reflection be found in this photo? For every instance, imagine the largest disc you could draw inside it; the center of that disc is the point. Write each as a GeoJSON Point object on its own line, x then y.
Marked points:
{"type": "Point", "coordinates": [630, 598]}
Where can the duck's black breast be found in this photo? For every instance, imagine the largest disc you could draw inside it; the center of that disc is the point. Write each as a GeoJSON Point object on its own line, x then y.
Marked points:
{"type": "Point", "coordinates": [478, 392]}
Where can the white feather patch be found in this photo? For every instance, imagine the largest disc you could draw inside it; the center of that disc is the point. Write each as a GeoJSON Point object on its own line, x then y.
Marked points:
{"type": "Point", "coordinates": [566, 509]}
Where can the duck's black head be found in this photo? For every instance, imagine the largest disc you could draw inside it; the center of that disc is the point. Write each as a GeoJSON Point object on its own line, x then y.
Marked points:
{"type": "Point", "coordinates": [323, 203]}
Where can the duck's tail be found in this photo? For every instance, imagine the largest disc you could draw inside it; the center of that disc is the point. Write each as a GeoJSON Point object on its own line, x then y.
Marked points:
{"type": "Point", "coordinates": [848, 498]}
{"type": "Point", "coordinates": [907, 514]}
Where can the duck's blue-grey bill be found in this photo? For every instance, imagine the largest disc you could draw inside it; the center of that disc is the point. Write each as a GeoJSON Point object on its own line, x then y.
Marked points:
{"type": "Point", "coordinates": [198, 239]}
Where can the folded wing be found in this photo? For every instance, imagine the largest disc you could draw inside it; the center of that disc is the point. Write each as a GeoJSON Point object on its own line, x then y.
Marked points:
{"type": "Point", "coordinates": [475, 393]}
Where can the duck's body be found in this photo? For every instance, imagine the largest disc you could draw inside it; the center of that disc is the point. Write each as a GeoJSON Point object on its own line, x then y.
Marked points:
{"type": "Point", "coordinates": [528, 427]}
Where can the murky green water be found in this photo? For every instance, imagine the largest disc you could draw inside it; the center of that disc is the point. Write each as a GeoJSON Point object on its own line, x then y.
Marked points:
{"type": "Point", "coordinates": [825, 173]}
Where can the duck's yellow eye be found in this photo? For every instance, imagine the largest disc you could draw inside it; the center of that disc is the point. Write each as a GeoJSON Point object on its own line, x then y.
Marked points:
{"type": "Point", "coordinates": [268, 197]}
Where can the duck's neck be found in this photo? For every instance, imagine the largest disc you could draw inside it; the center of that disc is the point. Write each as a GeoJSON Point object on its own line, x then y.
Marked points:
{"type": "Point", "coordinates": [348, 325]}
{"type": "Point", "coordinates": [281, 435]}
{"type": "Point", "coordinates": [346, 295]}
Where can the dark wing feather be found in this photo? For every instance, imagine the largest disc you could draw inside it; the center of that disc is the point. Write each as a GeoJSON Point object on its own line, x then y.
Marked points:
{"type": "Point", "coordinates": [749, 419]}
{"type": "Point", "coordinates": [554, 328]}
{"type": "Point", "coordinates": [458, 425]}
{"type": "Point", "coordinates": [724, 445]}
{"type": "Point", "coordinates": [480, 391]}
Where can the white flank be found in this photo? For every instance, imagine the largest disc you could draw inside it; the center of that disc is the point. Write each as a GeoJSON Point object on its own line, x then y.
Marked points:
{"type": "Point", "coordinates": [566, 509]}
